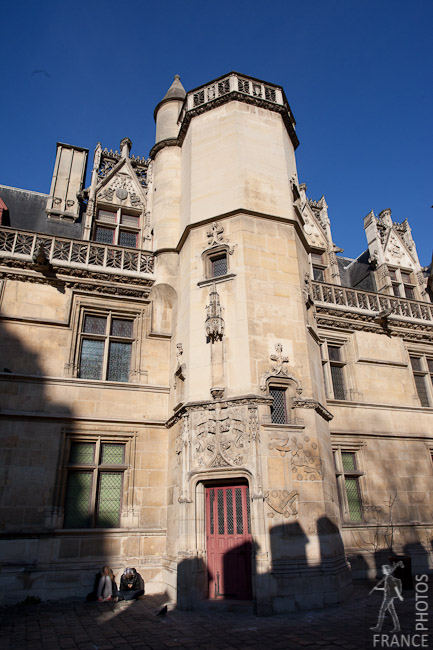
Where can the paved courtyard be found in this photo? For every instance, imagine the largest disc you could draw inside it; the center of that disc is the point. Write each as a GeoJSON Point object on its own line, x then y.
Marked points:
{"type": "Point", "coordinates": [104, 626]}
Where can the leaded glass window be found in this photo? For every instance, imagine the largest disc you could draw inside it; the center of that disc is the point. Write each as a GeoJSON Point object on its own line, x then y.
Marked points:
{"type": "Point", "coordinates": [333, 370]}
{"type": "Point", "coordinates": [77, 500]}
{"type": "Point", "coordinates": [353, 499]}
{"type": "Point", "coordinates": [128, 239]}
{"type": "Point", "coordinates": [109, 499]}
{"type": "Point", "coordinates": [422, 368]}
{"type": "Point", "coordinates": [123, 231]}
{"type": "Point", "coordinates": [105, 347]}
{"type": "Point", "coordinates": [278, 407]}
{"type": "Point", "coordinates": [93, 494]}
{"type": "Point", "coordinates": [348, 476]}
{"type": "Point", "coordinates": [218, 265]}
{"type": "Point", "coordinates": [337, 382]}
{"type": "Point", "coordinates": [104, 235]}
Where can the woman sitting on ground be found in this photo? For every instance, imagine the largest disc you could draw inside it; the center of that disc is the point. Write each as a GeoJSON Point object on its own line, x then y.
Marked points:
{"type": "Point", "coordinates": [106, 589]}
{"type": "Point", "coordinates": [131, 585]}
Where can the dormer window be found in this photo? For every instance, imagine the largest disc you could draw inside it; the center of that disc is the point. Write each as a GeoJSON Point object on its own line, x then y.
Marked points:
{"type": "Point", "coordinates": [117, 227]}
{"type": "Point", "coordinates": [318, 267]}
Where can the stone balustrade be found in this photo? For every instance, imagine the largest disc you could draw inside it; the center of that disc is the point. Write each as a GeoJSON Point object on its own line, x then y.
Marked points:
{"type": "Point", "coordinates": [365, 301]}
{"type": "Point", "coordinates": [60, 251]}
{"type": "Point", "coordinates": [233, 83]}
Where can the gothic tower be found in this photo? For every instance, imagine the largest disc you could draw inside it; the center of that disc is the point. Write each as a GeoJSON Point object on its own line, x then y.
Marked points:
{"type": "Point", "coordinates": [250, 443]}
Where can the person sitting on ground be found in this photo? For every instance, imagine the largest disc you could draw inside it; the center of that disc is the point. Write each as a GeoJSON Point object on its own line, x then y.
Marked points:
{"type": "Point", "coordinates": [107, 588]}
{"type": "Point", "coordinates": [131, 585]}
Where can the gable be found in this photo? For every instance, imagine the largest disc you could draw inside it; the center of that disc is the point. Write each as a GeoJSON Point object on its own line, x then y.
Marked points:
{"type": "Point", "coordinates": [121, 188]}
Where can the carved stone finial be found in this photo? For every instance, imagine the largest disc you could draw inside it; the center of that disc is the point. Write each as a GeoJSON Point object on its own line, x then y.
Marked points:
{"type": "Point", "coordinates": [215, 236]}
{"type": "Point", "coordinates": [214, 320]}
{"type": "Point", "coordinates": [279, 359]}
{"type": "Point", "coordinates": [277, 369]}
{"type": "Point", "coordinates": [125, 147]}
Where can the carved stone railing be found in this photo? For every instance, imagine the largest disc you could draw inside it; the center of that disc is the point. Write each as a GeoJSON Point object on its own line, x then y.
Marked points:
{"type": "Point", "coordinates": [375, 303]}
{"type": "Point", "coordinates": [72, 253]}
{"type": "Point", "coordinates": [233, 83]}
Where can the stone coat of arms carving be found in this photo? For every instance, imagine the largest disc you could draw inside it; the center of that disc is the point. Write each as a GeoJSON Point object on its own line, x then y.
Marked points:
{"type": "Point", "coordinates": [220, 437]}
{"type": "Point", "coordinates": [282, 502]}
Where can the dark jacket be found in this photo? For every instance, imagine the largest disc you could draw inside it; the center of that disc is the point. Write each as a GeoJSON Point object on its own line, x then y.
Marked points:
{"type": "Point", "coordinates": [134, 581]}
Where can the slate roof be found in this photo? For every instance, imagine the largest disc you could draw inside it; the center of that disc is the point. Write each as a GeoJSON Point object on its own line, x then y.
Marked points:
{"type": "Point", "coordinates": [356, 274]}
{"type": "Point", "coordinates": [26, 211]}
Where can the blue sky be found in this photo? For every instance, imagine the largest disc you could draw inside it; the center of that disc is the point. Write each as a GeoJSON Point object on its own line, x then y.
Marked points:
{"type": "Point", "coordinates": [357, 74]}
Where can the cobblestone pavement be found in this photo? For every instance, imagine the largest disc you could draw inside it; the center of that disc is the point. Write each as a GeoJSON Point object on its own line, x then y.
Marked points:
{"type": "Point", "coordinates": [104, 626]}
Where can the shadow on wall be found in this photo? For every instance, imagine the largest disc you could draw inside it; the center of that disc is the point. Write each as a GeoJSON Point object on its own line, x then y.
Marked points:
{"type": "Point", "coordinates": [33, 421]}
{"type": "Point", "coordinates": [292, 583]}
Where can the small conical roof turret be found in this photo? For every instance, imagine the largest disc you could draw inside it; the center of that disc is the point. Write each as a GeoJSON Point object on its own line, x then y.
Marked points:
{"type": "Point", "coordinates": [167, 111]}
{"type": "Point", "coordinates": [176, 90]}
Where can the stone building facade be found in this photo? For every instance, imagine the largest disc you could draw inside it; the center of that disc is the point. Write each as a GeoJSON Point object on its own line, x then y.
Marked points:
{"type": "Point", "coordinates": [196, 382]}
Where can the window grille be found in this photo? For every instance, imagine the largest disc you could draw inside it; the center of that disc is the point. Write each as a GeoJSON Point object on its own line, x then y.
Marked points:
{"type": "Point", "coordinates": [353, 500]}
{"type": "Point", "coordinates": [239, 518]}
{"type": "Point", "coordinates": [278, 407]}
{"type": "Point", "coordinates": [421, 390]}
{"type": "Point", "coordinates": [82, 453]}
{"type": "Point", "coordinates": [248, 510]}
{"type": "Point", "coordinates": [337, 382]}
{"type": "Point", "coordinates": [113, 454]}
{"type": "Point", "coordinates": [128, 239]}
{"type": "Point", "coordinates": [104, 235]}
{"type": "Point", "coordinates": [218, 265]}
{"type": "Point", "coordinates": [230, 521]}
{"type": "Point", "coordinates": [212, 499]}
{"type": "Point", "coordinates": [220, 506]}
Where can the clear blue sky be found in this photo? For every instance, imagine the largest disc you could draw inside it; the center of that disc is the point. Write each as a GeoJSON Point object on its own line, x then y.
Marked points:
{"type": "Point", "coordinates": [357, 73]}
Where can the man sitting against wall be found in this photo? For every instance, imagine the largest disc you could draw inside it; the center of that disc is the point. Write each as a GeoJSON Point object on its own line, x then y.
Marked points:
{"type": "Point", "coordinates": [131, 585]}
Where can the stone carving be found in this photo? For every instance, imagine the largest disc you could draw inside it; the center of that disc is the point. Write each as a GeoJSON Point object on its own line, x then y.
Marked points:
{"type": "Point", "coordinates": [105, 167]}
{"type": "Point", "coordinates": [107, 194]}
{"type": "Point", "coordinates": [220, 436]}
{"type": "Point", "coordinates": [307, 291]}
{"type": "Point", "coordinates": [254, 424]}
{"type": "Point", "coordinates": [180, 367]}
{"type": "Point", "coordinates": [305, 461]}
{"type": "Point", "coordinates": [277, 369]}
{"type": "Point", "coordinates": [214, 321]}
{"type": "Point", "coordinates": [279, 359]}
{"type": "Point", "coordinates": [215, 236]}
{"type": "Point", "coordinates": [283, 502]}
{"type": "Point", "coordinates": [122, 186]}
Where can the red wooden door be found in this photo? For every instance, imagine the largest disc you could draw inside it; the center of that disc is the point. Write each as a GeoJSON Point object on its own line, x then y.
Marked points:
{"type": "Point", "coordinates": [229, 541]}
